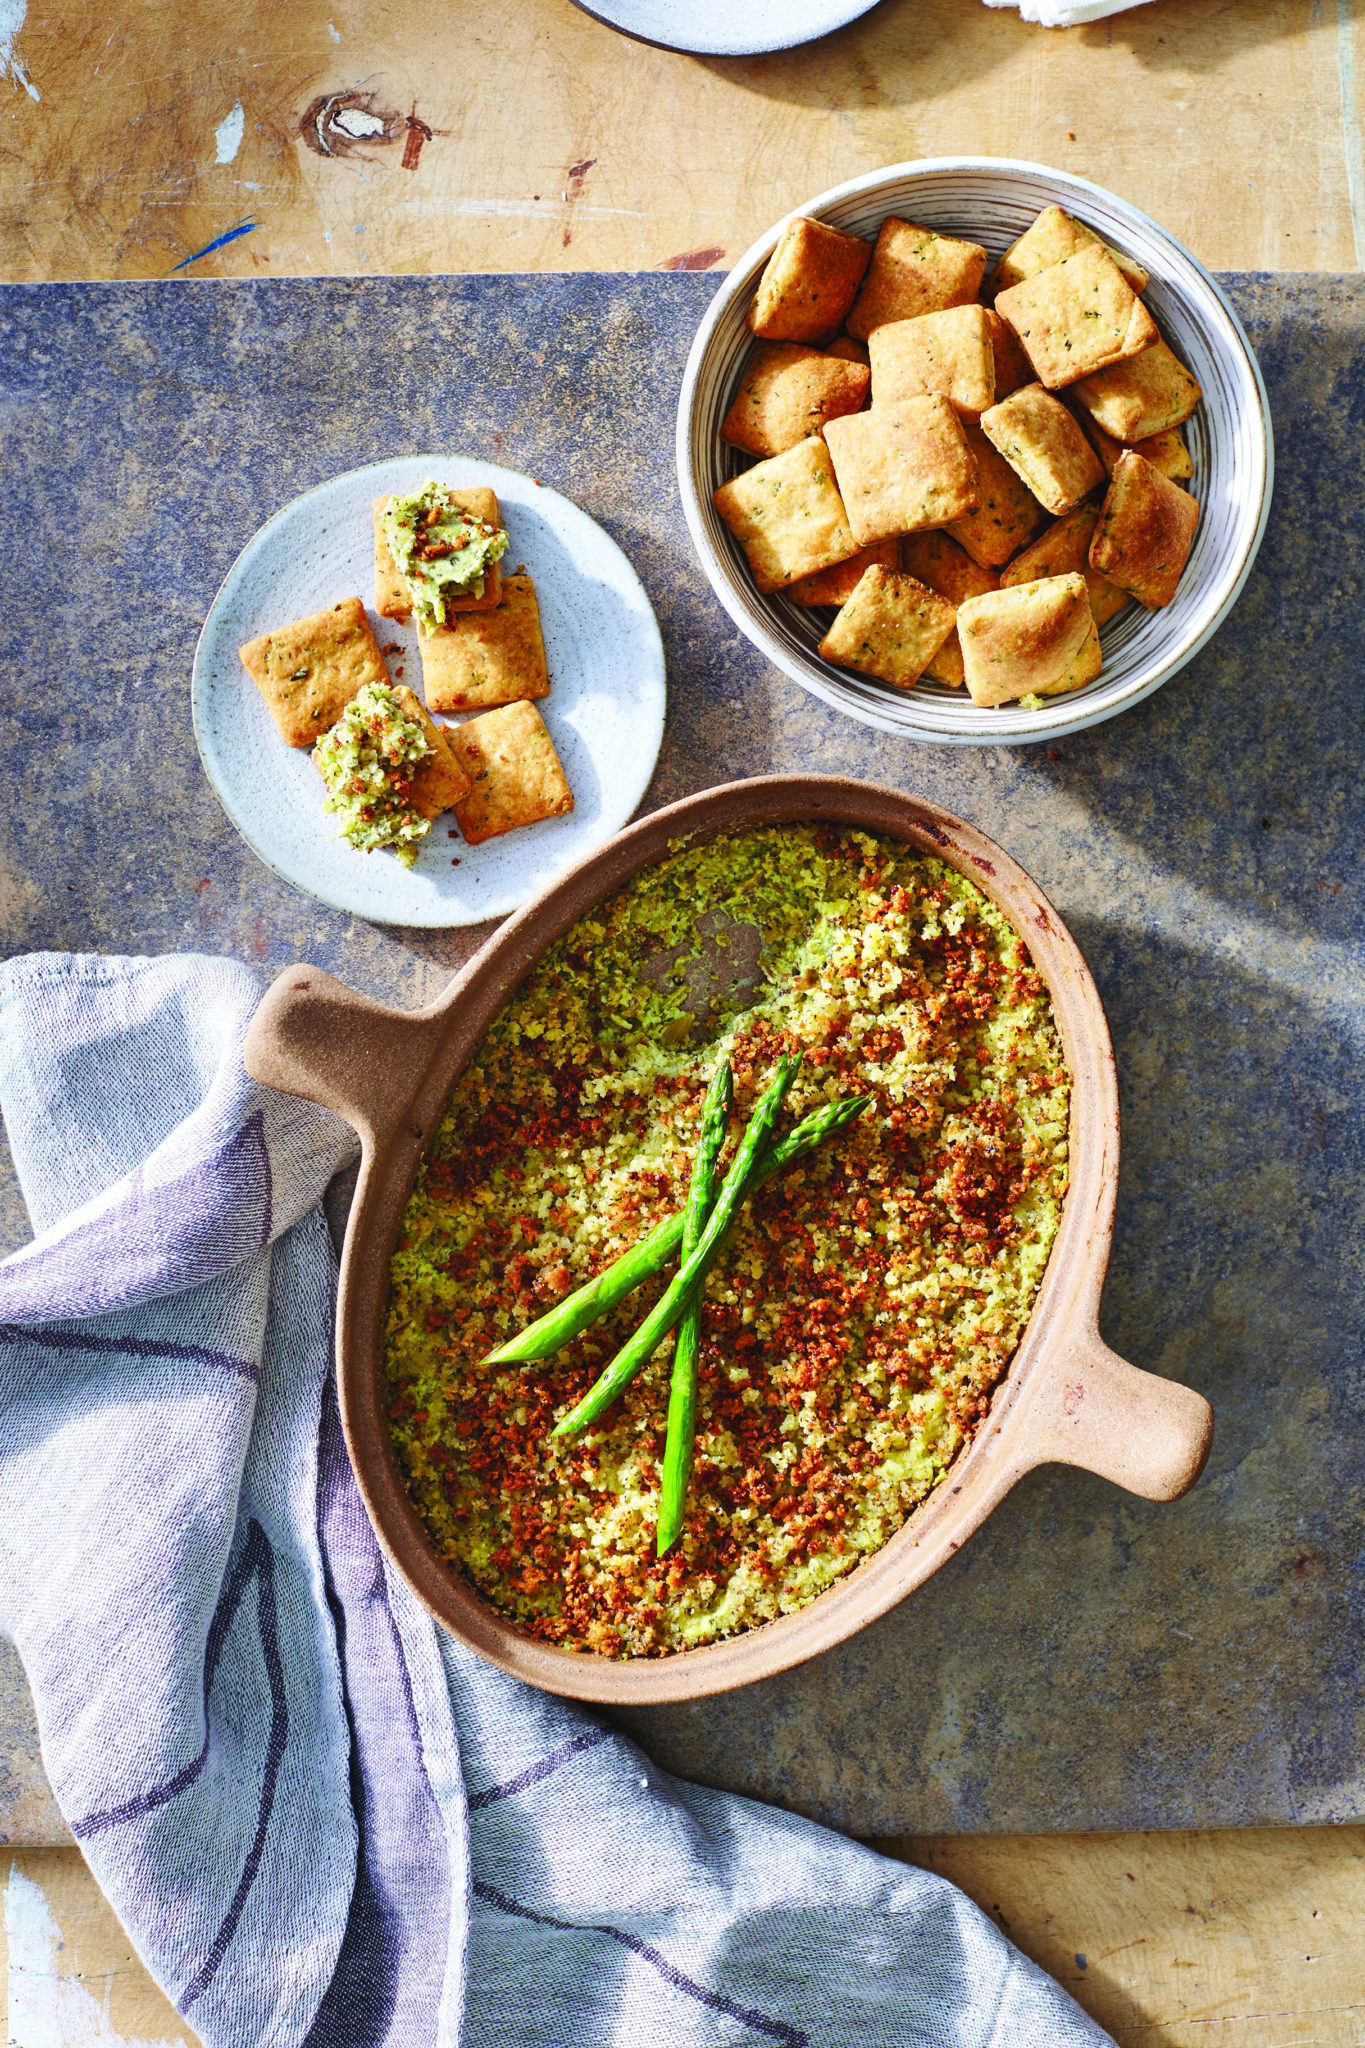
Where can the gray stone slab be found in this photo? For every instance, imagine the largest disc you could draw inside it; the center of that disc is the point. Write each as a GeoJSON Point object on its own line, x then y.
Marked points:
{"type": "Point", "coordinates": [1089, 1661]}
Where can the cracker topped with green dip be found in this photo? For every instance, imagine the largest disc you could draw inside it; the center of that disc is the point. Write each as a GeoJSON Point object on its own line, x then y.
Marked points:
{"type": "Point", "coordinates": [865, 1303]}
{"type": "Point", "coordinates": [389, 771]}
{"type": "Point", "coordinates": [444, 546]}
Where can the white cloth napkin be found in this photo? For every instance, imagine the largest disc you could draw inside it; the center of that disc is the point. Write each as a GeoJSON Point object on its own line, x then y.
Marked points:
{"type": "Point", "coordinates": [1066, 13]}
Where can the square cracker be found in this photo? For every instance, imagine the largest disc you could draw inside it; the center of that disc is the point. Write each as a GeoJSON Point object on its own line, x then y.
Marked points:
{"type": "Point", "coordinates": [1076, 317]}
{"type": "Point", "coordinates": [1042, 442]}
{"type": "Point", "coordinates": [808, 283]}
{"type": "Point", "coordinates": [834, 586]}
{"type": "Point", "coordinates": [1064, 550]}
{"type": "Point", "coordinates": [1145, 531]}
{"type": "Point", "coordinates": [914, 270]}
{"type": "Point", "coordinates": [944, 564]}
{"type": "Point", "coordinates": [1166, 452]}
{"type": "Point", "coordinates": [440, 782]}
{"type": "Point", "coordinates": [514, 771]}
{"type": "Point", "coordinates": [902, 467]}
{"type": "Point", "coordinates": [1053, 235]}
{"type": "Point", "coordinates": [848, 350]}
{"type": "Point", "coordinates": [948, 352]}
{"type": "Point", "coordinates": [1012, 366]}
{"type": "Point", "coordinates": [787, 394]}
{"type": "Point", "coordinates": [891, 627]}
{"type": "Point", "coordinates": [309, 671]}
{"type": "Point", "coordinates": [393, 599]}
{"type": "Point", "coordinates": [1147, 395]}
{"type": "Point", "coordinates": [1034, 638]}
{"type": "Point", "coordinates": [488, 658]}
{"type": "Point", "coordinates": [787, 515]}
{"type": "Point", "coordinates": [1006, 513]}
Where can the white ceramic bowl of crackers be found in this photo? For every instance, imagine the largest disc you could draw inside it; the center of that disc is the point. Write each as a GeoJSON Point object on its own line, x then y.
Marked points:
{"type": "Point", "coordinates": [974, 450]}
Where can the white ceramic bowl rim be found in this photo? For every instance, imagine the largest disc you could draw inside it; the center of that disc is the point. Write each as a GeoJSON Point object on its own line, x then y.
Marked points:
{"type": "Point", "coordinates": [715, 28]}
{"type": "Point", "coordinates": [948, 719]}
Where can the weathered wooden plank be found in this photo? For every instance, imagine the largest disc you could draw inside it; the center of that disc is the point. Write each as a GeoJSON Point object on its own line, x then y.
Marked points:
{"type": "Point", "coordinates": [377, 137]}
{"type": "Point", "coordinates": [1246, 1939]}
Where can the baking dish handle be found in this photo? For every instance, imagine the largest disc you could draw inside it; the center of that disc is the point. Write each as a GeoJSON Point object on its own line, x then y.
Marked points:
{"type": "Point", "coordinates": [312, 1036]}
{"type": "Point", "coordinates": [1148, 1434]}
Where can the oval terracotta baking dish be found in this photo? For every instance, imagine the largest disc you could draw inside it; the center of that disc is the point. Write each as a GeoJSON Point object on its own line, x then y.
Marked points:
{"type": "Point", "coordinates": [1065, 1397]}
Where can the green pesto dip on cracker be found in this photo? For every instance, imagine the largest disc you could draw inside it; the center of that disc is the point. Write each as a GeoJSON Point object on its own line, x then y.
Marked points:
{"type": "Point", "coordinates": [866, 1302]}
{"type": "Point", "coordinates": [441, 549]}
{"type": "Point", "coordinates": [367, 761]}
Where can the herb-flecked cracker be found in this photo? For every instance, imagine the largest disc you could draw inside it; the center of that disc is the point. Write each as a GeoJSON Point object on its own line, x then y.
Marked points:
{"type": "Point", "coordinates": [1042, 441]}
{"type": "Point", "coordinates": [808, 283]}
{"type": "Point", "coordinates": [902, 468]}
{"type": "Point", "coordinates": [787, 515]}
{"type": "Point", "coordinates": [915, 270]}
{"type": "Point", "coordinates": [1145, 532]}
{"type": "Point", "coordinates": [833, 586]}
{"type": "Point", "coordinates": [948, 352]}
{"type": "Point", "coordinates": [1166, 452]}
{"type": "Point", "coordinates": [488, 658]}
{"type": "Point", "coordinates": [309, 671]}
{"type": "Point", "coordinates": [439, 782]}
{"type": "Point", "coordinates": [1012, 366]}
{"type": "Point", "coordinates": [944, 564]}
{"type": "Point", "coordinates": [1064, 550]}
{"type": "Point", "coordinates": [891, 627]}
{"type": "Point", "coordinates": [848, 350]}
{"type": "Point", "coordinates": [1076, 317]}
{"type": "Point", "coordinates": [1149, 394]}
{"type": "Point", "coordinates": [1032, 639]}
{"type": "Point", "coordinates": [1006, 513]}
{"type": "Point", "coordinates": [1053, 235]}
{"type": "Point", "coordinates": [787, 394]}
{"type": "Point", "coordinates": [515, 774]}
{"type": "Point", "coordinates": [392, 597]}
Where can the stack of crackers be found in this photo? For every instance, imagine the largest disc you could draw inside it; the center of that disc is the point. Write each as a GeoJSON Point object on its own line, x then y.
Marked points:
{"type": "Point", "coordinates": [496, 771]}
{"type": "Point", "coordinates": [977, 487]}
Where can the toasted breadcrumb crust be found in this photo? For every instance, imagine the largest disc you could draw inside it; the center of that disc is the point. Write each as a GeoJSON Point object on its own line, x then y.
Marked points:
{"type": "Point", "coordinates": [866, 1302]}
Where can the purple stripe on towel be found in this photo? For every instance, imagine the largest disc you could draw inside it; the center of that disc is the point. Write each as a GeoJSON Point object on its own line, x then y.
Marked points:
{"type": "Point", "coordinates": [386, 1989]}
{"type": "Point", "coordinates": [264, 1566]}
{"type": "Point", "coordinates": [131, 1347]}
{"type": "Point", "coordinates": [776, 2030]}
{"type": "Point", "coordinates": [148, 1242]}
{"type": "Point", "coordinates": [544, 1769]}
{"type": "Point", "coordinates": [229, 1600]}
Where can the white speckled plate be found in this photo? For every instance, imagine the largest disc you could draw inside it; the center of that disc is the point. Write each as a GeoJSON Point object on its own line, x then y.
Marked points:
{"type": "Point", "coordinates": [605, 710]}
{"type": "Point", "coordinates": [718, 28]}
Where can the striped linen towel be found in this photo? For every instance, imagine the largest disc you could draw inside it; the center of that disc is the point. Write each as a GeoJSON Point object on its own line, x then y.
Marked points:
{"type": "Point", "coordinates": [321, 1821]}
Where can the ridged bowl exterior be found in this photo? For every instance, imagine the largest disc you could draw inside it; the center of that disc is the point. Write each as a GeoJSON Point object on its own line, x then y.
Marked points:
{"type": "Point", "coordinates": [992, 200]}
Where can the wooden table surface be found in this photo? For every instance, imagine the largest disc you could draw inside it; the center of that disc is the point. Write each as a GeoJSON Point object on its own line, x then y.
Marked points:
{"type": "Point", "coordinates": [340, 136]}
{"type": "Point", "coordinates": [350, 135]}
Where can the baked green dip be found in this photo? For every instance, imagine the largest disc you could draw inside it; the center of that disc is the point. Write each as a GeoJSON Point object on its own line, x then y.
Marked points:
{"type": "Point", "coordinates": [866, 1302]}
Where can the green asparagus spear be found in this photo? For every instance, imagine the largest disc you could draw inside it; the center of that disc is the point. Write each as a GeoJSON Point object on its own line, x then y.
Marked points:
{"type": "Point", "coordinates": [682, 1399]}
{"type": "Point", "coordinates": [560, 1324]}
{"type": "Point", "coordinates": [675, 1296]}
{"type": "Point", "coordinates": [594, 1298]}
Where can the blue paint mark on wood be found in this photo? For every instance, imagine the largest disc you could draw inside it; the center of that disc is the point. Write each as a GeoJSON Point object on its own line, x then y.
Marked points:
{"type": "Point", "coordinates": [232, 235]}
